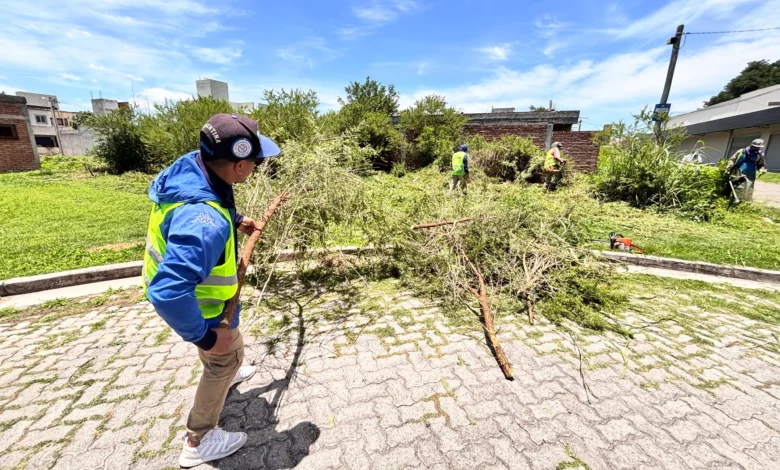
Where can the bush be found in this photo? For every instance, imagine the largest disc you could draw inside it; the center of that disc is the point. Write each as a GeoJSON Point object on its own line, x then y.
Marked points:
{"type": "Point", "coordinates": [288, 115]}
{"type": "Point", "coordinates": [174, 129]}
{"type": "Point", "coordinates": [120, 141]}
{"type": "Point", "coordinates": [432, 129]}
{"type": "Point", "coordinates": [644, 170]}
{"type": "Point", "coordinates": [505, 159]}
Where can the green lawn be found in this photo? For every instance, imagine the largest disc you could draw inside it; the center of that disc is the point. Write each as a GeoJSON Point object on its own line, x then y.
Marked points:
{"type": "Point", "coordinates": [62, 218]}
{"type": "Point", "coordinates": [770, 178]}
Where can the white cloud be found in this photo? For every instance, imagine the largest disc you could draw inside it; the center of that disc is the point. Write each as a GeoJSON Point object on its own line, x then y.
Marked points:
{"type": "Point", "coordinates": [548, 22]}
{"type": "Point", "coordinates": [70, 76]}
{"type": "Point", "coordinates": [221, 55]}
{"type": "Point", "coordinates": [384, 11]}
{"type": "Point", "coordinates": [498, 53]}
{"type": "Point", "coordinates": [309, 52]}
{"type": "Point", "coordinates": [681, 12]}
{"type": "Point", "coordinates": [620, 83]}
{"type": "Point", "coordinates": [374, 14]}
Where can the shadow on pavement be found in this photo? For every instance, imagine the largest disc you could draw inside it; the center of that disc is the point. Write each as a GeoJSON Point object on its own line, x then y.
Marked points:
{"type": "Point", "coordinates": [250, 412]}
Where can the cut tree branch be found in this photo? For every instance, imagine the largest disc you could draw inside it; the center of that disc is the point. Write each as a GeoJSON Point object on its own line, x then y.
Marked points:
{"type": "Point", "coordinates": [246, 255]}
{"type": "Point", "coordinates": [441, 224]}
{"type": "Point", "coordinates": [487, 319]}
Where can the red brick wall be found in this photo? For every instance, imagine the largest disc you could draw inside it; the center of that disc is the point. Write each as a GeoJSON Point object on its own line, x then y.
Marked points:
{"type": "Point", "coordinates": [579, 149]}
{"type": "Point", "coordinates": [537, 132]}
{"type": "Point", "coordinates": [582, 154]}
{"type": "Point", "coordinates": [16, 154]}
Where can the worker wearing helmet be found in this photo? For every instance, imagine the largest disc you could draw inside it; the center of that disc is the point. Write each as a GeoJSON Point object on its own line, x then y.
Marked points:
{"type": "Point", "coordinates": [190, 270]}
{"type": "Point", "coordinates": [460, 169]}
{"type": "Point", "coordinates": [553, 166]}
{"type": "Point", "coordinates": [742, 168]}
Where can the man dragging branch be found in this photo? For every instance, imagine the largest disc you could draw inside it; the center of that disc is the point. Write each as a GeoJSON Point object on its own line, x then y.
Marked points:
{"type": "Point", "coordinates": [190, 270]}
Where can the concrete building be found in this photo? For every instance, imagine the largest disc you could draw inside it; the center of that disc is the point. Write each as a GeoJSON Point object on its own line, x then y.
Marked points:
{"type": "Point", "coordinates": [219, 91]}
{"type": "Point", "coordinates": [720, 130]}
{"type": "Point", "coordinates": [43, 120]}
{"type": "Point", "coordinates": [213, 88]}
{"type": "Point", "coordinates": [102, 106]}
{"type": "Point", "coordinates": [18, 151]}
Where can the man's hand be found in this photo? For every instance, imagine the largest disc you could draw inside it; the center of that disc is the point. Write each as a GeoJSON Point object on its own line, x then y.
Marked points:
{"type": "Point", "coordinates": [224, 339]}
{"type": "Point", "coordinates": [247, 226]}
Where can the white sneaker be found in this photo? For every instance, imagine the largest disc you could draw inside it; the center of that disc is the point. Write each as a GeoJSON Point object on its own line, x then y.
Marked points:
{"type": "Point", "coordinates": [216, 444]}
{"type": "Point", "coordinates": [244, 373]}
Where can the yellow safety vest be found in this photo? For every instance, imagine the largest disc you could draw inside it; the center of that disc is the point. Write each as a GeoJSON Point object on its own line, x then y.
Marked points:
{"type": "Point", "coordinates": [222, 282]}
{"type": "Point", "coordinates": [458, 168]}
{"type": "Point", "coordinates": [549, 160]}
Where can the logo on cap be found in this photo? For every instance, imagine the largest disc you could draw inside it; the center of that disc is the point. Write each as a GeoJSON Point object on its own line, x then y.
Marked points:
{"type": "Point", "coordinates": [242, 148]}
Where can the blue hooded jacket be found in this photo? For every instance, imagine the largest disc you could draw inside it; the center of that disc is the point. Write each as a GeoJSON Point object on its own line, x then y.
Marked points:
{"type": "Point", "coordinates": [195, 235]}
{"type": "Point", "coordinates": [747, 162]}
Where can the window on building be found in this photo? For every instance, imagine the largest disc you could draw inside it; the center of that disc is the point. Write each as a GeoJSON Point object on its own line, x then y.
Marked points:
{"type": "Point", "coordinates": [47, 141]}
{"type": "Point", "coordinates": [60, 122]}
{"type": "Point", "coordinates": [740, 142]}
{"type": "Point", "coordinates": [66, 122]}
{"type": "Point", "coordinates": [8, 131]}
{"type": "Point", "coordinates": [773, 153]}
{"type": "Point", "coordinates": [41, 119]}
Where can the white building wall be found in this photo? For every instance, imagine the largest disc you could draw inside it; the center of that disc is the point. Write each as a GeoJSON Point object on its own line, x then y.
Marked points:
{"type": "Point", "coordinates": [750, 102]}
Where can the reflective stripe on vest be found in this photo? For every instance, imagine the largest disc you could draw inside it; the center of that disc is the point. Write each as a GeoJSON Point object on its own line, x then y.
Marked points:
{"type": "Point", "coordinates": [221, 283]}
{"type": "Point", "coordinates": [458, 168]}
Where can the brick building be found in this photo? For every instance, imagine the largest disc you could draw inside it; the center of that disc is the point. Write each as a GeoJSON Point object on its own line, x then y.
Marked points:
{"type": "Point", "coordinates": [543, 128]}
{"type": "Point", "coordinates": [18, 151]}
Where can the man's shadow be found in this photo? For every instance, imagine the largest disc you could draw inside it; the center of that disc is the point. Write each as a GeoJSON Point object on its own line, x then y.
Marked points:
{"type": "Point", "coordinates": [251, 413]}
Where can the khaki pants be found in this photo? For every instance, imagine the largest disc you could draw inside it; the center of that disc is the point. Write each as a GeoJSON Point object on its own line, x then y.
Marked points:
{"type": "Point", "coordinates": [459, 180]}
{"type": "Point", "coordinates": [218, 372]}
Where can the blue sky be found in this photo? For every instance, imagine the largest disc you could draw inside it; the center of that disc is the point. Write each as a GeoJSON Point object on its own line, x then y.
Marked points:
{"type": "Point", "coordinates": [607, 59]}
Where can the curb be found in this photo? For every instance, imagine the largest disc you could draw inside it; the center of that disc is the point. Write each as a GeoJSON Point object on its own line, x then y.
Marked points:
{"type": "Point", "coordinates": [698, 267]}
{"type": "Point", "coordinates": [26, 285]}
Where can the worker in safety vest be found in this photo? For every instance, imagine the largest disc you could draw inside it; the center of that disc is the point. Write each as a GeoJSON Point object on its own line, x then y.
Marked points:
{"type": "Point", "coordinates": [553, 166]}
{"type": "Point", "coordinates": [190, 269]}
{"type": "Point", "coordinates": [460, 169]}
{"type": "Point", "coordinates": [742, 167]}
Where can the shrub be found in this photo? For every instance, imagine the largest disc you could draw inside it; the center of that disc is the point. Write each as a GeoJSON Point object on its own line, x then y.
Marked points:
{"type": "Point", "coordinates": [644, 170]}
{"type": "Point", "coordinates": [505, 159]}
{"type": "Point", "coordinates": [432, 129]}
{"type": "Point", "coordinates": [174, 129]}
{"type": "Point", "coordinates": [288, 115]}
{"type": "Point", "coordinates": [120, 141]}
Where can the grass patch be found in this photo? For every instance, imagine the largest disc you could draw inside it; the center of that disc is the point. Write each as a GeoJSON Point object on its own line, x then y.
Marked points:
{"type": "Point", "coordinates": [770, 178]}
{"type": "Point", "coordinates": [161, 337]}
{"type": "Point", "coordinates": [678, 294]}
{"type": "Point", "coordinates": [98, 325]}
{"type": "Point", "coordinates": [56, 218]}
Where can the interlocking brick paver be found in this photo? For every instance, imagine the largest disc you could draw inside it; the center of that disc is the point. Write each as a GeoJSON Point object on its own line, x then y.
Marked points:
{"type": "Point", "coordinates": [427, 396]}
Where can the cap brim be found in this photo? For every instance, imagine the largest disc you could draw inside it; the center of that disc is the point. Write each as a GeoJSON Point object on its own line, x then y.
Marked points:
{"type": "Point", "coordinates": [268, 148]}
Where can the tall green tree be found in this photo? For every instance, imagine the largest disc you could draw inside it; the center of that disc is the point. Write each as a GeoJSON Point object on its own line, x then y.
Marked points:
{"type": "Point", "coordinates": [372, 97]}
{"type": "Point", "coordinates": [758, 74]}
{"type": "Point", "coordinates": [288, 115]}
{"type": "Point", "coordinates": [433, 128]}
{"type": "Point", "coordinates": [79, 118]}
{"type": "Point", "coordinates": [366, 112]}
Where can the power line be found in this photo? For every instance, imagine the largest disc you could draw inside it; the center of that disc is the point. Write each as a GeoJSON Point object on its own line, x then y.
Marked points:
{"type": "Point", "coordinates": [736, 31]}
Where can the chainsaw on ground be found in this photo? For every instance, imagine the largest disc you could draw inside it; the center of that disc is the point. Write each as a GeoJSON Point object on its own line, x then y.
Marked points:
{"type": "Point", "coordinates": [620, 243]}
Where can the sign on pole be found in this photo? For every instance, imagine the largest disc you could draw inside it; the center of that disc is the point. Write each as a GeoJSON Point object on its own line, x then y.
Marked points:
{"type": "Point", "coordinates": [661, 111]}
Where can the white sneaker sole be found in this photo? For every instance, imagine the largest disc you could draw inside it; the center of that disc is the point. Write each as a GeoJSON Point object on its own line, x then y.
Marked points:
{"type": "Point", "coordinates": [238, 381]}
{"type": "Point", "coordinates": [189, 462]}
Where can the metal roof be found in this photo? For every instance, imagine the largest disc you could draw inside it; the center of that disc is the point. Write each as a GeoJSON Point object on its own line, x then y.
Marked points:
{"type": "Point", "coordinates": [755, 119]}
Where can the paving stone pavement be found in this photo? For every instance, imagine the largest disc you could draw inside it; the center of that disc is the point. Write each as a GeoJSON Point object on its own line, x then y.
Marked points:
{"type": "Point", "coordinates": [387, 381]}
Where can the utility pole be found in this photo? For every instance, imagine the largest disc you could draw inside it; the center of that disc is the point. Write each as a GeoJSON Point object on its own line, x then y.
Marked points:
{"type": "Point", "coordinates": [56, 127]}
{"type": "Point", "coordinates": [675, 42]}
